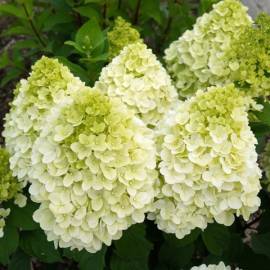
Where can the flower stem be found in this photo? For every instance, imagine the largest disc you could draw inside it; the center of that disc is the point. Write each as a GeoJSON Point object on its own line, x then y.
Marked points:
{"type": "Point", "coordinates": [33, 26]}
{"type": "Point", "coordinates": [137, 13]}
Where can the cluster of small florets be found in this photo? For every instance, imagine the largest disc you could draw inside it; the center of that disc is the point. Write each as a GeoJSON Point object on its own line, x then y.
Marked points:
{"type": "Point", "coordinates": [220, 266]}
{"type": "Point", "coordinates": [207, 162]}
{"type": "Point", "coordinates": [10, 188]}
{"type": "Point", "coordinates": [140, 81]}
{"type": "Point", "coordinates": [121, 35]}
{"type": "Point", "coordinates": [196, 60]}
{"type": "Point", "coordinates": [251, 51]}
{"type": "Point", "coordinates": [90, 161]}
{"type": "Point", "coordinates": [49, 83]}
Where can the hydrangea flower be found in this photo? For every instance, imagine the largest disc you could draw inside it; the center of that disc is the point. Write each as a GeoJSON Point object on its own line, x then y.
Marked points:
{"type": "Point", "coordinates": [220, 266]}
{"type": "Point", "coordinates": [92, 171]}
{"type": "Point", "coordinates": [140, 81]}
{"type": "Point", "coordinates": [10, 188]}
{"type": "Point", "coordinates": [207, 162]}
{"type": "Point", "coordinates": [250, 53]}
{"type": "Point", "coordinates": [196, 60]}
{"type": "Point", "coordinates": [120, 36]}
{"type": "Point", "coordinates": [49, 83]}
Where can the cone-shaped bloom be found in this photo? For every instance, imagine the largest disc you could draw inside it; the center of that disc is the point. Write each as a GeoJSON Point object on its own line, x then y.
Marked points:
{"type": "Point", "coordinates": [93, 171]}
{"type": "Point", "coordinates": [251, 58]}
{"type": "Point", "coordinates": [140, 81]}
{"type": "Point", "coordinates": [121, 35]}
{"type": "Point", "coordinates": [196, 59]}
{"type": "Point", "coordinates": [220, 266]}
{"type": "Point", "coordinates": [49, 83]}
{"type": "Point", "coordinates": [10, 188]}
{"type": "Point", "coordinates": [208, 163]}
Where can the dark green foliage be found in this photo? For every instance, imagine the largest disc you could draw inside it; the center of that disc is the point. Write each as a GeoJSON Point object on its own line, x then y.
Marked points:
{"type": "Point", "coordinates": [74, 31]}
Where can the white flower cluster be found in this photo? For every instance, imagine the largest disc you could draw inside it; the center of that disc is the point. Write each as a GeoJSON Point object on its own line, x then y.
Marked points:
{"type": "Point", "coordinates": [90, 161]}
{"type": "Point", "coordinates": [140, 81]}
{"type": "Point", "coordinates": [220, 266]}
{"type": "Point", "coordinates": [49, 83]}
{"type": "Point", "coordinates": [196, 60]}
{"type": "Point", "coordinates": [207, 162]}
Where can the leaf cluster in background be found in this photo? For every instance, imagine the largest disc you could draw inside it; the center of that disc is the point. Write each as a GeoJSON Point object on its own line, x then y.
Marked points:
{"type": "Point", "coordinates": [75, 30]}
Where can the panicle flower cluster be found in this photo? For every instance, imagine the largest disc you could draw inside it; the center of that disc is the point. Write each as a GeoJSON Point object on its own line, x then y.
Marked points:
{"type": "Point", "coordinates": [220, 266]}
{"type": "Point", "coordinates": [10, 188]}
{"type": "Point", "coordinates": [140, 81]}
{"type": "Point", "coordinates": [251, 54]}
{"type": "Point", "coordinates": [90, 161]}
{"type": "Point", "coordinates": [120, 36]}
{"type": "Point", "coordinates": [207, 162]}
{"type": "Point", "coordinates": [49, 83]}
{"type": "Point", "coordinates": [196, 60]}
{"type": "Point", "coordinates": [94, 171]}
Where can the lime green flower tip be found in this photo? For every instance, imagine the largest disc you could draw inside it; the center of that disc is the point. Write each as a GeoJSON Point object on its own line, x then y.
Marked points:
{"type": "Point", "coordinates": [208, 162]}
{"type": "Point", "coordinates": [220, 266]}
{"type": "Point", "coordinates": [196, 60]}
{"type": "Point", "coordinates": [121, 35]}
{"type": "Point", "coordinates": [140, 81]}
{"type": "Point", "coordinates": [49, 83]}
{"type": "Point", "coordinates": [10, 188]}
{"type": "Point", "coordinates": [250, 53]}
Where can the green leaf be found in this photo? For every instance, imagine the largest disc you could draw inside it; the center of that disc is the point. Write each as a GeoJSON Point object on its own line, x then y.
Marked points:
{"type": "Point", "coordinates": [261, 244]}
{"type": "Point", "coordinates": [264, 115]}
{"type": "Point", "coordinates": [216, 238]}
{"type": "Point", "coordinates": [86, 260]}
{"type": "Point", "coordinates": [188, 239]}
{"type": "Point", "coordinates": [20, 261]}
{"type": "Point", "coordinates": [26, 44]}
{"type": "Point", "coordinates": [17, 30]}
{"type": "Point", "coordinates": [94, 1]}
{"type": "Point", "coordinates": [56, 19]}
{"type": "Point", "coordinates": [118, 263]}
{"type": "Point", "coordinates": [75, 69]}
{"type": "Point", "coordinates": [11, 74]}
{"type": "Point", "coordinates": [173, 255]}
{"type": "Point", "coordinates": [35, 243]}
{"type": "Point", "coordinates": [12, 10]}
{"type": "Point", "coordinates": [88, 11]}
{"type": "Point", "coordinates": [206, 5]}
{"type": "Point", "coordinates": [136, 236]}
{"type": "Point", "coordinates": [101, 57]}
{"type": "Point", "coordinates": [264, 224]}
{"type": "Point", "coordinates": [22, 218]}
{"type": "Point", "coordinates": [90, 37]}
{"type": "Point", "coordinates": [8, 243]}
{"type": "Point", "coordinates": [132, 250]}
{"type": "Point", "coordinates": [235, 248]}
{"type": "Point", "coordinates": [260, 129]}
{"type": "Point", "coordinates": [75, 45]}
{"type": "Point", "coordinates": [151, 9]}
{"type": "Point", "coordinates": [4, 60]}
{"type": "Point", "coordinates": [251, 261]}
